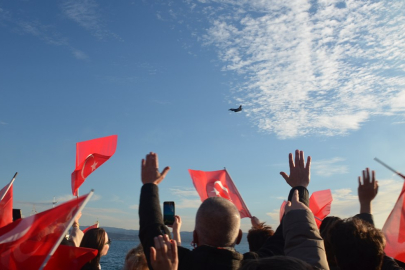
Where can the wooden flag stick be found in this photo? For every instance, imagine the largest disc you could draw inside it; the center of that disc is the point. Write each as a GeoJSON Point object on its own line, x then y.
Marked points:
{"type": "Point", "coordinates": [389, 168]}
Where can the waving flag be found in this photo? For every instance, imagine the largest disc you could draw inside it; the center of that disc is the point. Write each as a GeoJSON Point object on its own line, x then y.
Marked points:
{"type": "Point", "coordinates": [394, 229]}
{"type": "Point", "coordinates": [319, 203]}
{"type": "Point", "coordinates": [218, 184]}
{"type": "Point", "coordinates": [28, 243]}
{"type": "Point", "coordinates": [68, 258]}
{"type": "Point", "coordinates": [95, 226]}
{"type": "Point", "coordinates": [6, 203]}
{"type": "Point", "coordinates": [89, 156]}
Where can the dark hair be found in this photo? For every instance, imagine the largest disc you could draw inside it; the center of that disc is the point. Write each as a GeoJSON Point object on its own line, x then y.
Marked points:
{"type": "Point", "coordinates": [324, 229]}
{"type": "Point", "coordinates": [276, 263]}
{"type": "Point", "coordinates": [357, 244]}
{"type": "Point", "coordinates": [94, 238]}
{"type": "Point", "coordinates": [257, 236]}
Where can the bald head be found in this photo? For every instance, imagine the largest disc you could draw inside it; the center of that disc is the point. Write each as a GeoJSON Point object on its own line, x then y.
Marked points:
{"type": "Point", "coordinates": [217, 223]}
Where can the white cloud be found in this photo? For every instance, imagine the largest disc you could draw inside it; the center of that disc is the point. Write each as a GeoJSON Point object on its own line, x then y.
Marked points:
{"type": "Point", "coordinates": [184, 192]}
{"type": "Point", "coordinates": [188, 203]}
{"type": "Point", "coordinates": [87, 14]}
{"type": "Point", "coordinates": [117, 199]}
{"type": "Point", "coordinates": [322, 68]}
{"type": "Point", "coordinates": [134, 207]}
{"type": "Point", "coordinates": [3, 123]}
{"type": "Point", "coordinates": [184, 201]}
{"type": "Point", "coordinates": [79, 54]}
{"type": "Point", "coordinates": [328, 167]}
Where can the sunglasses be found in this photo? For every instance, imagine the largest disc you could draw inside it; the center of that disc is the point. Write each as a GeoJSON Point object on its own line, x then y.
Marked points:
{"type": "Point", "coordinates": [108, 242]}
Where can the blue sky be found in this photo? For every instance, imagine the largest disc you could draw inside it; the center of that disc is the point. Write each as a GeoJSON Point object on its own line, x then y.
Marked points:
{"type": "Point", "coordinates": [326, 77]}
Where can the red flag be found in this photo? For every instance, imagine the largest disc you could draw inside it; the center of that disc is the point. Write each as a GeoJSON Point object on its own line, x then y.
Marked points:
{"type": "Point", "coordinates": [319, 203]}
{"type": "Point", "coordinates": [89, 156]}
{"type": "Point", "coordinates": [6, 205]}
{"type": "Point", "coordinates": [394, 229]}
{"type": "Point", "coordinates": [27, 243]}
{"type": "Point", "coordinates": [218, 184]}
{"type": "Point", "coordinates": [67, 258]}
{"type": "Point", "coordinates": [95, 226]}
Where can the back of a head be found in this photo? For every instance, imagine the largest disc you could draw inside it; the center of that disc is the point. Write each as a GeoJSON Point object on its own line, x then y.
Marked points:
{"type": "Point", "coordinates": [95, 239]}
{"type": "Point", "coordinates": [357, 245]}
{"type": "Point", "coordinates": [135, 259]}
{"type": "Point", "coordinates": [257, 236]}
{"type": "Point", "coordinates": [217, 222]}
{"type": "Point", "coordinates": [324, 229]}
{"type": "Point", "coordinates": [276, 263]}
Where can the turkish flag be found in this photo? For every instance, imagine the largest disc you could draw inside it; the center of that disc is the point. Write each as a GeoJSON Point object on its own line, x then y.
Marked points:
{"type": "Point", "coordinates": [394, 229]}
{"type": "Point", "coordinates": [68, 258]}
{"type": "Point", "coordinates": [27, 242]}
{"type": "Point", "coordinates": [6, 205]}
{"type": "Point", "coordinates": [319, 203]}
{"type": "Point", "coordinates": [89, 156]}
{"type": "Point", "coordinates": [95, 226]}
{"type": "Point", "coordinates": [218, 184]}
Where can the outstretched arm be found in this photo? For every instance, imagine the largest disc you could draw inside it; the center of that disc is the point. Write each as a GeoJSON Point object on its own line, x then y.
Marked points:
{"type": "Point", "coordinates": [150, 215]}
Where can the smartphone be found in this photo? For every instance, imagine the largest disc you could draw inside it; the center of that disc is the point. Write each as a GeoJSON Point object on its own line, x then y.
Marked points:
{"type": "Point", "coordinates": [168, 213]}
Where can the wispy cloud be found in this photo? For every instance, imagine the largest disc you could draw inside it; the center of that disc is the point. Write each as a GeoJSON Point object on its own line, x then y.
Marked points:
{"type": "Point", "coordinates": [117, 199]}
{"type": "Point", "coordinates": [311, 67]}
{"type": "Point", "coordinates": [3, 123]}
{"type": "Point", "coordinates": [87, 14]}
{"type": "Point", "coordinates": [184, 195]}
{"type": "Point", "coordinates": [328, 167]}
{"type": "Point", "coordinates": [134, 207]}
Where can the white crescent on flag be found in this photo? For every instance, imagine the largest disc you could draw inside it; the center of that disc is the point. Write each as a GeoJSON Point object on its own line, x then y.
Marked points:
{"type": "Point", "coordinates": [217, 189]}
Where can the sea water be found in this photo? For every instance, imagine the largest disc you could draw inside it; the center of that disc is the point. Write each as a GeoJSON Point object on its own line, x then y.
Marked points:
{"type": "Point", "coordinates": [115, 258]}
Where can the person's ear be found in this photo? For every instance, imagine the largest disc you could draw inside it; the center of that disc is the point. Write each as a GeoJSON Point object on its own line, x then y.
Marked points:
{"type": "Point", "coordinates": [195, 238]}
{"type": "Point", "coordinates": [239, 238]}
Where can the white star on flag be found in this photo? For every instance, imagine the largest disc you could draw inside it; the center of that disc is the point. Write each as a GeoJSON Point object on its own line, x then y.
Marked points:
{"type": "Point", "coordinates": [94, 166]}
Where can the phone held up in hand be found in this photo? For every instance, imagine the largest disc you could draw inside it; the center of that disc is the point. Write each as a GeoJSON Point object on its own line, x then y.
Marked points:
{"type": "Point", "coordinates": [168, 213]}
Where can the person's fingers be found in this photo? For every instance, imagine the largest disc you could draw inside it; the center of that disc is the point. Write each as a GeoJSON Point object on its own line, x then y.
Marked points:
{"type": "Point", "coordinates": [376, 190]}
{"type": "Point", "coordinates": [152, 254]}
{"type": "Point", "coordinates": [164, 172]}
{"type": "Point", "coordinates": [302, 160]}
{"type": "Point", "coordinates": [308, 167]}
{"type": "Point", "coordinates": [373, 178]}
{"type": "Point", "coordinates": [157, 242]}
{"type": "Point", "coordinates": [295, 197]}
{"type": "Point", "coordinates": [364, 177]}
{"type": "Point", "coordinates": [285, 176]}
{"type": "Point", "coordinates": [368, 175]}
{"type": "Point", "coordinates": [359, 181]}
{"type": "Point", "coordinates": [290, 160]}
{"type": "Point", "coordinates": [155, 160]}
{"type": "Point", "coordinates": [297, 157]}
{"type": "Point", "coordinates": [174, 251]}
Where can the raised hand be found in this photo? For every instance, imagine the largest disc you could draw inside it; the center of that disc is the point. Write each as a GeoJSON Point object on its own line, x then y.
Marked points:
{"type": "Point", "coordinates": [150, 170]}
{"type": "Point", "coordinates": [367, 190]}
{"type": "Point", "coordinates": [176, 229]}
{"type": "Point", "coordinates": [295, 203]}
{"type": "Point", "coordinates": [300, 174]}
{"type": "Point", "coordinates": [164, 255]}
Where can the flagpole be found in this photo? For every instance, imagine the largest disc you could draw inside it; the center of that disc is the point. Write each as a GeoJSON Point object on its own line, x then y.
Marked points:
{"type": "Point", "coordinates": [55, 247]}
{"type": "Point", "coordinates": [389, 168]}
{"type": "Point", "coordinates": [9, 185]}
{"type": "Point", "coordinates": [237, 191]}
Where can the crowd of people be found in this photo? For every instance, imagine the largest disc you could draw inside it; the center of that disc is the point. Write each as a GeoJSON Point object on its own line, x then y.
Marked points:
{"type": "Point", "coordinates": [346, 244]}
